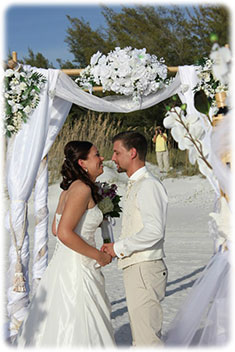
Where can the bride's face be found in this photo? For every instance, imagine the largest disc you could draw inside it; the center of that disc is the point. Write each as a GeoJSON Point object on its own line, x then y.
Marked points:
{"type": "Point", "coordinates": [94, 163]}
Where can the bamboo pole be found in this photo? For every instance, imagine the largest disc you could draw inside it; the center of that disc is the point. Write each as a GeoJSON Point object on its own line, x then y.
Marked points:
{"type": "Point", "coordinates": [72, 71]}
{"type": "Point", "coordinates": [172, 69]}
{"type": "Point", "coordinates": [14, 56]}
{"type": "Point", "coordinates": [13, 62]}
{"type": "Point", "coordinates": [77, 71]}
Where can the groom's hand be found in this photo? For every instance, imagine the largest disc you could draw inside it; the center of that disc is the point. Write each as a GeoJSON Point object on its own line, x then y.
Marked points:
{"type": "Point", "coordinates": [108, 248]}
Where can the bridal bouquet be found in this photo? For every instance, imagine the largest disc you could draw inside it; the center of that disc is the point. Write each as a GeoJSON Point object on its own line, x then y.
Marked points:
{"type": "Point", "coordinates": [21, 92]}
{"type": "Point", "coordinates": [207, 82]}
{"type": "Point", "coordinates": [127, 71]}
{"type": "Point", "coordinates": [109, 205]}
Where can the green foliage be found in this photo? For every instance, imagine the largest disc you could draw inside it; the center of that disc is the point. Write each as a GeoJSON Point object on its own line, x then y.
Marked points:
{"type": "Point", "coordinates": [201, 102]}
{"type": "Point", "coordinates": [83, 42]}
{"type": "Point", "coordinates": [180, 34]}
{"type": "Point", "coordinates": [36, 60]}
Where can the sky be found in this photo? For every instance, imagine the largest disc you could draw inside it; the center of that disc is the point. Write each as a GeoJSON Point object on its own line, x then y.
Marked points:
{"type": "Point", "coordinates": [42, 26]}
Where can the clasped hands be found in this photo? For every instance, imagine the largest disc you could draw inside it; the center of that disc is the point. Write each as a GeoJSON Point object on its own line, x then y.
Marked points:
{"type": "Point", "coordinates": [108, 248]}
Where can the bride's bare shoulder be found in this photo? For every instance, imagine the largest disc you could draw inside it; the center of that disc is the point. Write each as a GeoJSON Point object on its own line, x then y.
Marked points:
{"type": "Point", "coordinates": [79, 186]}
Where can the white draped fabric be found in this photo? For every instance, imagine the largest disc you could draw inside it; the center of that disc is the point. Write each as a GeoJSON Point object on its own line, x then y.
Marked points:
{"type": "Point", "coordinates": [68, 90]}
{"type": "Point", "coordinates": [204, 318]}
{"type": "Point", "coordinates": [221, 143]}
{"type": "Point", "coordinates": [25, 152]}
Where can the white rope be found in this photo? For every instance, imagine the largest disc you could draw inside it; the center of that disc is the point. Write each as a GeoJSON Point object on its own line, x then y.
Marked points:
{"type": "Point", "coordinates": [19, 279]}
{"type": "Point", "coordinates": [40, 256]}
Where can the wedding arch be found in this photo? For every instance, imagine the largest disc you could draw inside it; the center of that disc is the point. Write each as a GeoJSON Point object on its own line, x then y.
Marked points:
{"type": "Point", "coordinates": [27, 167]}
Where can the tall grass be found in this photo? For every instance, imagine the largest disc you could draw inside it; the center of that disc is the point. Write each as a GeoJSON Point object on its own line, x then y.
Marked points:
{"type": "Point", "coordinates": [179, 163]}
{"type": "Point", "coordinates": [99, 128]}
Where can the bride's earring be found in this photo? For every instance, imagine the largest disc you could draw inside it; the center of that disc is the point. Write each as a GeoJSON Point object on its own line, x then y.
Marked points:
{"type": "Point", "coordinates": [86, 170]}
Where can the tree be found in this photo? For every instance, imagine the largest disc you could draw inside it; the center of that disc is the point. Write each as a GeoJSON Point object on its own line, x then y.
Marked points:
{"type": "Point", "coordinates": [36, 60]}
{"type": "Point", "coordinates": [179, 34]}
{"type": "Point", "coordinates": [83, 42]}
{"type": "Point", "coordinates": [209, 20]}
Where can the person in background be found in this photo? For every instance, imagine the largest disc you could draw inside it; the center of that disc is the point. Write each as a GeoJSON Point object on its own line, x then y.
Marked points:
{"type": "Point", "coordinates": [160, 141]}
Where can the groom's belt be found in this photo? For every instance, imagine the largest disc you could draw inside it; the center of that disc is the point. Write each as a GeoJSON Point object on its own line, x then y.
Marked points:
{"type": "Point", "coordinates": [142, 256]}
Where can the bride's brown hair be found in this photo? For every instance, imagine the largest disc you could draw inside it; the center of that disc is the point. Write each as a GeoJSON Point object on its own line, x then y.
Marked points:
{"type": "Point", "coordinates": [72, 171]}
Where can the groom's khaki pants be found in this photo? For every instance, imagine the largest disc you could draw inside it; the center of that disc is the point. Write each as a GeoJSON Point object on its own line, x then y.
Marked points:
{"type": "Point", "coordinates": [145, 286]}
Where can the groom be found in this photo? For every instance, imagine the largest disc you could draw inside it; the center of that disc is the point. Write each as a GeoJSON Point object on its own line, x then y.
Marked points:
{"type": "Point", "coordinates": [140, 247]}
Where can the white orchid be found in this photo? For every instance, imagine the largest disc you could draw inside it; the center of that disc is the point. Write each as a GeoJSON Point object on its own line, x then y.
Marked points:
{"type": "Point", "coordinates": [172, 117]}
{"type": "Point", "coordinates": [193, 155]}
{"type": "Point", "coordinates": [189, 133]}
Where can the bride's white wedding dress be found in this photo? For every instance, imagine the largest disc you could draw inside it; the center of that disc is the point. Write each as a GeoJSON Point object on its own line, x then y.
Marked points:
{"type": "Point", "coordinates": [70, 307]}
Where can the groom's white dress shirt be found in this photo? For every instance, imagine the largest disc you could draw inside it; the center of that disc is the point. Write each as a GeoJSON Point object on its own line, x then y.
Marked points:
{"type": "Point", "coordinates": [144, 220]}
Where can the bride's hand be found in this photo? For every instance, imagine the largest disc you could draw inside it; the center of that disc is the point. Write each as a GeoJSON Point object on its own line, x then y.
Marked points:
{"type": "Point", "coordinates": [104, 258]}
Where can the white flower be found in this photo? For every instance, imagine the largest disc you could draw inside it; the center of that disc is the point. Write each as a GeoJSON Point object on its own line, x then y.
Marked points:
{"type": "Point", "coordinates": [172, 116]}
{"type": "Point", "coordinates": [10, 128]}
{"type": "Point", "coordinates": [181, 136]}
{"type": "Point", "coordinates": [126, 71]}
{"type": "Point", "coordinates": [95, 58]}
{"type": "Point", "coordinates": [27, 109]}
{"type": "Point", "coordinates": [222, 59]}
{"type": "Point", "coordinates": [193, 155]}
{"type": "Point", "coordinates": [106, 205]}
{"type": "Point", "coordinates": [9, 73]}
{"type": "Point", "coordinates": [14, 107]}
{"type": "Point", "coordinates": [204, 169]}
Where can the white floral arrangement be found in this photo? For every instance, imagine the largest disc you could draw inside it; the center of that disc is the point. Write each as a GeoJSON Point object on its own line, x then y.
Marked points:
{"type": "Point", "coordinates": [128, 71]}
{"type": "Point", "coordinates": [22, 94]}
{"type": "Point", "coordinates": [208, 82]}
{"type": "Point", "coordinates": [222, 63]}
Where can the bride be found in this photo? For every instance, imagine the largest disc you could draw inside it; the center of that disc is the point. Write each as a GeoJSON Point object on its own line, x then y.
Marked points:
{"type": "Point", "coordinates": [70, 307]}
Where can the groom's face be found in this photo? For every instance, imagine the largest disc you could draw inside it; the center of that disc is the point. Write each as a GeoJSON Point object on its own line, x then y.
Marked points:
{"type": "Point", "coordinates": [121, 156]}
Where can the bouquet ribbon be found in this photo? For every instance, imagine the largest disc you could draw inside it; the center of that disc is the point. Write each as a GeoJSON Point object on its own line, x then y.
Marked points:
{"type": "Point", "coordinates": [107, 229]}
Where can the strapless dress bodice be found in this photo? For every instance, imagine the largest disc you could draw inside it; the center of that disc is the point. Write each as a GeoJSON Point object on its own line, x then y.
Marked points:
{"type": "Point", "coordinates": [86, 229]}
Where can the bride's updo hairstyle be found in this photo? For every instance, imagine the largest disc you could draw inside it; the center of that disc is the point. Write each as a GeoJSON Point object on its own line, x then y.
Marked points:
{"type": "Point", "coordinates": [72, 171]}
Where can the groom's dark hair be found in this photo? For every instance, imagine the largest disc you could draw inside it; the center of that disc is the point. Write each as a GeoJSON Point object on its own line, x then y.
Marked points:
{"type": "Point", "coordinates": [133, 139]}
